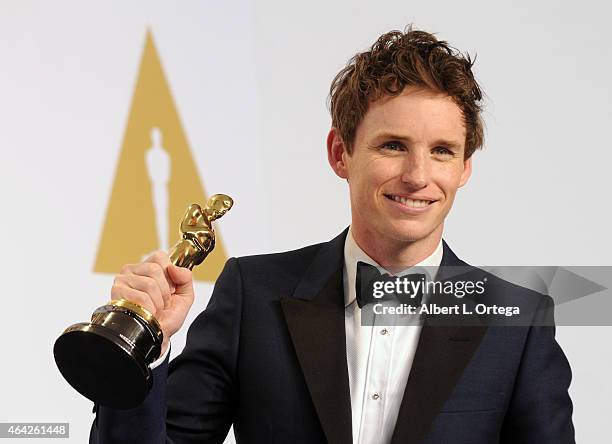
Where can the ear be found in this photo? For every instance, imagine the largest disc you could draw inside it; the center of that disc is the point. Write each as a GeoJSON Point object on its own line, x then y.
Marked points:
{"type": "Point", "coordinates": [467, 172]}
{"type": "Point", "coordinates": [336, 153]}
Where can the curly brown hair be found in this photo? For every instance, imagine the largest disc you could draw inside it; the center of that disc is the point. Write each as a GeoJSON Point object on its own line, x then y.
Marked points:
{"type": "Point", "coordinates": [399, 59]}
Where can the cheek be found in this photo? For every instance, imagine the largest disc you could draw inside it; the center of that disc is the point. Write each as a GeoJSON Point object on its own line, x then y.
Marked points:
{"type": "Point", "coordinates": [365, 190]}
{"type": "Point", "coordinates": [449, 179]}
{"type": "Point", "coordinates": [383, 170]}
{"type": "Point", "coordinates": [372, 174]}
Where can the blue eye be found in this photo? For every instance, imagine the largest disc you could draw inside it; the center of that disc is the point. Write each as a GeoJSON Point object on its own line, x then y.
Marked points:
{"type": "Point", "coordinates": [393, 146]}
{"type": "Point", "coordinates": [443, 150]}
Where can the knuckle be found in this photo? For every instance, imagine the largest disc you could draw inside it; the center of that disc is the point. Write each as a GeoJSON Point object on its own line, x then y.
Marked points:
{"type": "Point", "coordinates": [116, 292]}
{"type": "Point", "coordinates": [154, 293]}
{"type": "Point", "coordinates": [150, 286]}
{"type": "Point", "coordinates": [121, 282]}
{"type": "Point", "coordinates": [157, 270]}
{"type": "Point", "coordinates": [158, 257]}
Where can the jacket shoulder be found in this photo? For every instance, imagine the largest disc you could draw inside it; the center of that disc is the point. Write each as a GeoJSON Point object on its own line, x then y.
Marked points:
{"type": "Point", "coordinates": [284, 262]}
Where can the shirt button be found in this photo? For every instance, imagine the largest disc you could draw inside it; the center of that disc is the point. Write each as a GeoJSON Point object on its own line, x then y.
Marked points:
{"type": "Point", "coordinates": [384, 332]}
{"type": "Point", "coordinates": [376, 396]}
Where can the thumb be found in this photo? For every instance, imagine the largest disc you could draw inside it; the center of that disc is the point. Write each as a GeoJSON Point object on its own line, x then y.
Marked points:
{"type": "Point", "coordinates": [182, 279]}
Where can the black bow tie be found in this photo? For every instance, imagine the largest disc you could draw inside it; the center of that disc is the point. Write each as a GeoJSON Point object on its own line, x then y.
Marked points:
{"type": "Point", "coordinates": [370, 286]}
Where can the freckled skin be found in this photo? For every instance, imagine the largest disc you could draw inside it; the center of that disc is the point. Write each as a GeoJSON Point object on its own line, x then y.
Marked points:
{"type": "Point", "coordinates": [411, 145]}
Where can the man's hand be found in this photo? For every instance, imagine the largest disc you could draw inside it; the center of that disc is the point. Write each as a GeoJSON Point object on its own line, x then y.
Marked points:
{"type": "Point", "coordinates": [163, 289]}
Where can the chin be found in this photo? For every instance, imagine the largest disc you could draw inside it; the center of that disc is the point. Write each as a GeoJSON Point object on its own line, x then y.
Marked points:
{"type": "Point", "coordinates": [405, 235]}
{"type": "Point", "coordinates": [409, 233]}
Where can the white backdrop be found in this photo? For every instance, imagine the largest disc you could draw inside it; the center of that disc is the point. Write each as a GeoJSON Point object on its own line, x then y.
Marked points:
{"type": "Point", "coordinates": [250, 82]}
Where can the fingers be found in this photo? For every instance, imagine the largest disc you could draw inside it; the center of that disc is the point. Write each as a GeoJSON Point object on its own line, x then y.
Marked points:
{"type": "Point", "coordinates": [144, 284]}
{"type": "Point", "coordinates": [141, 298]}
{"type": "Point", "coordinates": [182, 278]}
{"type": "Point", "coordinates": [155, 282]}
{"type": "Point", "coordinates": [161, 288]}
{"type": "Point", "coordinates": [163, 260]}
{"type": "Point", "coordinates": [149, 278]}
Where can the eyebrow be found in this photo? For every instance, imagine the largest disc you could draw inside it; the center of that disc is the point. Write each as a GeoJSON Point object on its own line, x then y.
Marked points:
{"type": "Point", "coordinates": [392, 136]}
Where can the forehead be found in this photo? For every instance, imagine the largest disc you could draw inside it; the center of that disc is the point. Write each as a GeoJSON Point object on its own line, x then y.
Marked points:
{"type": "Point", "coordinates": [417, 113]}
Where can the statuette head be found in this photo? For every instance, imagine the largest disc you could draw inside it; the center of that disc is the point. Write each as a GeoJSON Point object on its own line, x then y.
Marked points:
{"type": "Point", "coordinates": [217, 206]}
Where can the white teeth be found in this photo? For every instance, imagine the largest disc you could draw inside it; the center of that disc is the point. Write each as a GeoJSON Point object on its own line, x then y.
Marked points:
{"type": "Point", "coordinates": [410, 202]}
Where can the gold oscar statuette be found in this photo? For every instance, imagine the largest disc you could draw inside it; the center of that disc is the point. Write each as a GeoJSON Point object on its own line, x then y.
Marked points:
{"type": "Point", "coordinates": [107, 360]}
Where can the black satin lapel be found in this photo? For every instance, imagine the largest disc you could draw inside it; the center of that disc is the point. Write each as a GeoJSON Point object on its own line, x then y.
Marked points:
{"type": "Point", "coordinates": [317, 330]}
{"type": "Point", "coordinates": [442, 354]}
{"type": "Point", "coordinates": [441, 357]}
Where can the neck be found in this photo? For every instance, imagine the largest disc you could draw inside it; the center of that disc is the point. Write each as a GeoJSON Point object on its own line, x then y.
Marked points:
{"type": "Point", "coordinates": [395, 254]}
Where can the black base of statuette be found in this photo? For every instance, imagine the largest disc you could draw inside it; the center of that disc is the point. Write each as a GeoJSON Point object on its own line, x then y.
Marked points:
{"type": "Point", "coordinates": [107, 360]}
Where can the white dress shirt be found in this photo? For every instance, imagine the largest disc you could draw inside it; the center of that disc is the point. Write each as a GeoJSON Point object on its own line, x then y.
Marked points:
{"type": "Point", "coordinates": [379, 357]}
{"type": "Point", "coordinates": [160, 360]}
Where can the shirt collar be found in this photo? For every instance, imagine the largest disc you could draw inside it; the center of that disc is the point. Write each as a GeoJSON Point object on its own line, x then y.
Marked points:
{"type": "Point", "coordinates": [353, 254]}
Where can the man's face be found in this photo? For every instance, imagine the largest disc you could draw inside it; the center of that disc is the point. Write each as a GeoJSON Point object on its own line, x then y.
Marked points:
{"type": "Point", "coordinates": [406, 166]}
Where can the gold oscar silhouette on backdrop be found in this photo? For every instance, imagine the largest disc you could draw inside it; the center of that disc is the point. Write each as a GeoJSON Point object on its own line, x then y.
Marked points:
{"type": "Point", "coordinates": [159, 167]}
{"type": "Point", "coordinates": [107, 360]}
{"type": "Point", "coordinates": [156, 177]}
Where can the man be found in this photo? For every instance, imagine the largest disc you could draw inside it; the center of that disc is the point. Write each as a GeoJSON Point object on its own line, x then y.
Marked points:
{"type": "Point", "coordinates": [280, 351]}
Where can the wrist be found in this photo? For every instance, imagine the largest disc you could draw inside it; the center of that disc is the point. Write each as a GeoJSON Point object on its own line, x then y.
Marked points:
{"type": "Point", "coordinates": [162, 357]}
{"type": "Point", "coordinates": [164, 347]}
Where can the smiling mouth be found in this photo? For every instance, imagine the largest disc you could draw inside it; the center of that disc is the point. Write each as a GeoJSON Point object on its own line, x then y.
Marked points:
{"type": "Point", "coordinates": [410, 203]}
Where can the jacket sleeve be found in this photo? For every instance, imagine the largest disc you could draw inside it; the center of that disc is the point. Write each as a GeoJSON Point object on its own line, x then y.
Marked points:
{"type": "Point", "coordinates": [540, 409]}
{"type": "Point", "coordinates": [193, 398]}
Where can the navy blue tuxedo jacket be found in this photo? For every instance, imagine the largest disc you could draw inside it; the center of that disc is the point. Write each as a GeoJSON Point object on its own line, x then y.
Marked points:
{"type": "Point", "coordinates": [268, 355]}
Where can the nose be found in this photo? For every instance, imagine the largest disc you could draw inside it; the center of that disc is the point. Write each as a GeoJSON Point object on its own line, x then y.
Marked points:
{"type": "Point", "coordinates": [415, 171]}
